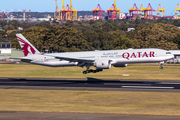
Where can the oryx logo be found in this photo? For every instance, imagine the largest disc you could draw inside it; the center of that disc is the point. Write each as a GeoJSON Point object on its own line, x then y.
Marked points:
{"type": "Point", "coordinates": [26, 47]}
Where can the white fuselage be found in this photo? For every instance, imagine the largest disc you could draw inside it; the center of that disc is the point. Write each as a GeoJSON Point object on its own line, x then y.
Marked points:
{"type": "Point", "coordinates": [116, 57]}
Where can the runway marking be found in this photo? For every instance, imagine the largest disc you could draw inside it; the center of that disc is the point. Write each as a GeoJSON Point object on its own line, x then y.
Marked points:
{"type": "Point", "coordinates": [125, 84]}
{"type": "Point", "coordinates": [126, 75]}
{"type": "Point", "coordinates": [13, 82]}
{"type": "Point", "coordinates": [149, 87]}
{"type": "Point", "coordinates": [169, 83]}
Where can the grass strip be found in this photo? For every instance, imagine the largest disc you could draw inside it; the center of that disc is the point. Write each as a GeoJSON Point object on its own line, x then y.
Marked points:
{"type": "Point", "coordinates": [144, 72]}
{"type": "Point", "coordinates": [144, 103]}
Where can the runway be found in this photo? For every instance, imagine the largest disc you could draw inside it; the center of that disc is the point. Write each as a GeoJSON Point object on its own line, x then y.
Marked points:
{"type": "Point", "coordinates": [85, 84]}
{"type": "Point", "coordinates": [12, 115]}
{"type": "Point", "coordinates": [89, 84]}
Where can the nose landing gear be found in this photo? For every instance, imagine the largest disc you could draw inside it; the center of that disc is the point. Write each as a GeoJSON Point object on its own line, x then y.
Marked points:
{"type": "Point", "coordinates": [161, 66]}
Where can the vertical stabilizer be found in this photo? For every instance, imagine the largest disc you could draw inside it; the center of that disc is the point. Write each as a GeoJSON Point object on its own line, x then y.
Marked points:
{"type": "Point", "coordinates": [26, 46]}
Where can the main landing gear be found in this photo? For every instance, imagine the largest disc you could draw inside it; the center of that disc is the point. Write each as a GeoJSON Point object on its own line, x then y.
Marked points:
{"type": "Point", "coordinates": [94, 71]}
{"type": "Point", "coordinates": [161, 66]}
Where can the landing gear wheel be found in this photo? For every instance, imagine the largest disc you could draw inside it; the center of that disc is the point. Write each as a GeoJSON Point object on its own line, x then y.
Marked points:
{"type": "Point", "coordinates": [84, 72]}
{"type": "Point", "coordinates": [94, 71]}
{"type": "Point", "coordinates": [89, 71]}
{"type": "Point", "coordinates": [161, 67]}
{"type": "Point", "coordinates": [99, 70]}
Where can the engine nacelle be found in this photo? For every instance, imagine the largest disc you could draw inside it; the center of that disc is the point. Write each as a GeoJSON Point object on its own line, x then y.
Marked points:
{"type": "Point", "coordinates": [120, 65]}
{"type": "Point", "coordinates": [103, 64]}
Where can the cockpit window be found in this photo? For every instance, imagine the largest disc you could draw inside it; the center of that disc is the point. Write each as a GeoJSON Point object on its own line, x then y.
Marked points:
{"type": "Point", "coordinates": [168, 52]}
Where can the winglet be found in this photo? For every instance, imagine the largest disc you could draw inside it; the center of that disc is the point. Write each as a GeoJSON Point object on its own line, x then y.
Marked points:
{"type": "Point", "coordinates": [26, 46]}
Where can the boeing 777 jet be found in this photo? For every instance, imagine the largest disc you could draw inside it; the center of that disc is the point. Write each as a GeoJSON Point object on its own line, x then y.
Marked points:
{"type": "Point", "coordinates": [100, 59]}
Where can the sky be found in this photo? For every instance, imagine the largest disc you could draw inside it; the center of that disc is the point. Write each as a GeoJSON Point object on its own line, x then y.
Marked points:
{"type": "Point", "coordinates": [87, 5]}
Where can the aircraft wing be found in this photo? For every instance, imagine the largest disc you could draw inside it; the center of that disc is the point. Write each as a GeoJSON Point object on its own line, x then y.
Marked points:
{"type": "Point", "coordinates": [73, 59]}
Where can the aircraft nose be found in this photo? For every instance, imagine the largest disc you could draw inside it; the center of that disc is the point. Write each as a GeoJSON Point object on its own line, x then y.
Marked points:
{"type": "Point", "coordinates": [172, 56]}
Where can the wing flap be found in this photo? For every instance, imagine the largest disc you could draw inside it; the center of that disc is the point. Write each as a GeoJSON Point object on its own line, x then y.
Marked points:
{"type": "Point", "coordinates": [73, 59]}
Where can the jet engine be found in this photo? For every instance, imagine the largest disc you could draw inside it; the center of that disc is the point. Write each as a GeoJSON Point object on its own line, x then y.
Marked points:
{"type": "Point", "coordinates": [120, 65]}
{"type": "Point", "coordinates": [103, 64]}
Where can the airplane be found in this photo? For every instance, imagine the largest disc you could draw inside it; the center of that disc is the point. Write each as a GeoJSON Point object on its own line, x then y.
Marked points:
{"type": "Point", "coordinates": [100, 59]}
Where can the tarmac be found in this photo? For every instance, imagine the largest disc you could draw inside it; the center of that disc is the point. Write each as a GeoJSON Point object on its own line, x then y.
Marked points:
{"type": "Point", "coordinates": [4, 115]}
{"type": "Point", "coordinates": [85, 84]}
{"type": "Point", "coordinates": [90, 84]}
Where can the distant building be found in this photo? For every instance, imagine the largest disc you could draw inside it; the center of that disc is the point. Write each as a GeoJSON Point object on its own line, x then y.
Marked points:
{"type": "Point", "coordinates": [45, 19]}
{"type": "Point", "coordinates": [8, 53]}
{"type": "Point", "coordinates": [5, 45]}
{"type": "Point", "coordinates": [130, 29]}
{"type": "Point", "coordinates": [10, 31]}
{"type": "Point", "coordinates": [80, 18]}
{"type": "Point", "coordinates": [176, 54]}
{"type": "Point", "coordinates": [5, 50]}
{"type": "Point", "coordinates": [20, 28]}
{"type": "Point", "coordinates": [87, 17]}
{"type": "Point", "coordinates": [176, 58]}
{"type": "Point", "coordinates": [123, 16]}
{"type": "Point", "coordinates": [1, 29]}
{"type": "Point", "coordinates": [48, 18]}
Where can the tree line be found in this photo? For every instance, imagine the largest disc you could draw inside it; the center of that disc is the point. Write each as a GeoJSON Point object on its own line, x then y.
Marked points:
{"type": "Point", "coordinates": [68, 36]}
